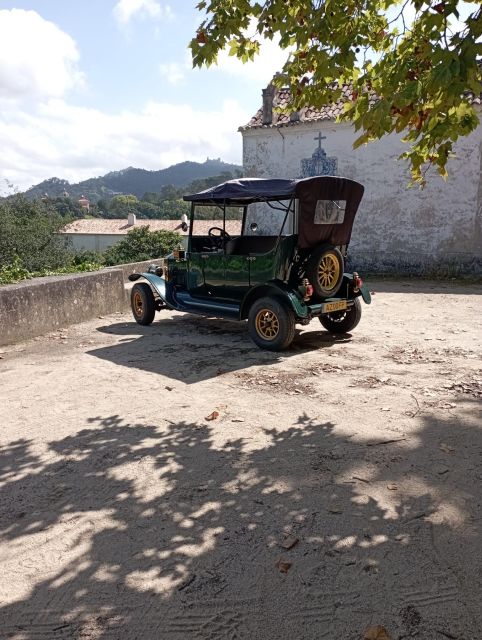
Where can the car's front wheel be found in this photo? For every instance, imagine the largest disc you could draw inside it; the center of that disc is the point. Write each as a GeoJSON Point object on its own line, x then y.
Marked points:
{"type": "Point", "coordinates": [343, 321]}
{"type": "Point", "coordinates": [271, 324]}
{"type": "Point", "coordinates": [142, 303]}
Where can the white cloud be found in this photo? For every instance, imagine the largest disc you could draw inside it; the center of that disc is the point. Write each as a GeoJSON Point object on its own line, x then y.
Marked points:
{"type": "Point", "coordinates": [58, 139]}
{"type": "Point", "coordinates": [270, 60]}
{"type": "Point", "coordinates": [36, 57]}
{"type": "Point", "coordinates": [260, 71]}
{"type": "Point", "coordinates": [125, 10]}
{"type": "Point", "coordinates": [174, 72]}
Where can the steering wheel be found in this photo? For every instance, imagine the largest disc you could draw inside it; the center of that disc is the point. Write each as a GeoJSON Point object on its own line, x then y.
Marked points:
{"type": "Point", "coordinates": [218, 240]}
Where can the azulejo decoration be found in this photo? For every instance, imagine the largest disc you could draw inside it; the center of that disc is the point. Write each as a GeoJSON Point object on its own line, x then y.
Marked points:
{"type": "Point", "coordinates": [319, 164]}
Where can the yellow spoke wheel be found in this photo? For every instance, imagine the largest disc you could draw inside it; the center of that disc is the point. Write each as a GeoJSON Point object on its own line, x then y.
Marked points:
{"type": "Point", "coordinates": [271, 323]}
{"type": "Point", "coordinates": [267, 324]}
{"type": "Point", "coordinates": [324, 269]}
{"type": "Point", "coordinates": [137, 303]}
{"type": "Point", "coordinates": [143, 304]}
{"type": "Point", "coordinates": [329, 271]}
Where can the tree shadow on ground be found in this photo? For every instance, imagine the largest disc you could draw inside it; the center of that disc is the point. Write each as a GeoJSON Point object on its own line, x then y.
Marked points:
{"type": "Point", "coordinates": [190, 348]}
{"type": "Point", "coordinates": [170, 533]}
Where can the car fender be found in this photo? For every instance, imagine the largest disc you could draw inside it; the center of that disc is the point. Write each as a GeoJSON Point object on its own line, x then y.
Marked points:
{"type": "Point", "coordinates": [158, 284]}
{"type": "Point", "coordinates": [276, 289]}
{"type": "Point", "coordinates": [363, 291]}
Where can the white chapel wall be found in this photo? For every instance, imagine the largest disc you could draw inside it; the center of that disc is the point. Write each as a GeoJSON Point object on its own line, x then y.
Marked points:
{"type": "Point", "coordinates": [396, 227]}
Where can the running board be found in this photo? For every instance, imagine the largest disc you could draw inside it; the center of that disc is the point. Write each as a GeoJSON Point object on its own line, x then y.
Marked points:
{"type": "Point", "coordinates": [186, 302]}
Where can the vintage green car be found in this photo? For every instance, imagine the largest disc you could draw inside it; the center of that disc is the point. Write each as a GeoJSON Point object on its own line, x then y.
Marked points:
{"type": "Point", "coordinates": [274, 281]}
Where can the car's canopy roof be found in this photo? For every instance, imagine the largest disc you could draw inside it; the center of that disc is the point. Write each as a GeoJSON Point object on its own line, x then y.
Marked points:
{"type": "Point", "coordinates": [245, 190]}
{"type": "Point", "coordinates": [308, 191]}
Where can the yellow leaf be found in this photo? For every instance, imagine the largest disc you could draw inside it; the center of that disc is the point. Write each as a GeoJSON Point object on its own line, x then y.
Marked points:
{"type": "Point", "coordinates": [376, 633]}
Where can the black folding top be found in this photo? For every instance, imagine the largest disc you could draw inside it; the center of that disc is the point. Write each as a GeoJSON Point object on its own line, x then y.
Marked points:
{"type": "Point", "coordinates": [308, 191]}
{"type": "Point", "coordinates": [245, 190]}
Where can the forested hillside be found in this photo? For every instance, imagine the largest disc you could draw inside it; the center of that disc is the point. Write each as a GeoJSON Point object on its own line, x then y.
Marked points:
{"type": "Point", "coordinates": [133, 181]}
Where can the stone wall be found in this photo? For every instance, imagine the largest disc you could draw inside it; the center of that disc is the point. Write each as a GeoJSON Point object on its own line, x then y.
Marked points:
{"type": "Point", "coordinates": [33, 307]}
{"type": "Point", "coordinates": [397, 228]}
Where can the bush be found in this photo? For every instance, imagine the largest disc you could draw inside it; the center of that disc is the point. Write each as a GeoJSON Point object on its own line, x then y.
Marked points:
{"type": "Point", "coordinates": [14, 272]}
{"type": "Point", "coordinates": [28, 236]}
{"type": "Point", "coordinates": [141, 244]}
{"type": "Point", "coordinates": [85, 257]}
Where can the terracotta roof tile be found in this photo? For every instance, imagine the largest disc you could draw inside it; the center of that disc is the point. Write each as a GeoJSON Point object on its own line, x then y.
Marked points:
{"type": "Point", "coordinates": [307, 114]}
{"type": "Point", "coordinates": [310, 114]}
{"type": "Point", "coordinates": [103, 226]}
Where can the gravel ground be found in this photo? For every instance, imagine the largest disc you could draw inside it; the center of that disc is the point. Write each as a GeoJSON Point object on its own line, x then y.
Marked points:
{"type": "Point", "coordinates": [174, 481]}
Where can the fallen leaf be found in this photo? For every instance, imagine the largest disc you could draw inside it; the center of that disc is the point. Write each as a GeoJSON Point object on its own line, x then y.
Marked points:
{"type": "Point", "coordinates": [442, 469]}
{"type": "Point", "coordinates": [283, 566]}
{"type": "Point", "coordinates": [392, 487]}
{"type": "Point", "coordinates": [289, 542]}
{"type": "Point", "coordinates": [212, 416]}
{"type": "Point", "coordinates": [376, 633]}
{"type": "Point", "coordinates": [334, 508]}
{"type": "Point", "coordinates": [446, 448]}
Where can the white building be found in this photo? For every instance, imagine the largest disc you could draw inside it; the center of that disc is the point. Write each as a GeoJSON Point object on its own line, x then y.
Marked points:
{"type": "Point", "coordinates": [436, 229]}
{"type": "Point", "coordinates": [98, 234]}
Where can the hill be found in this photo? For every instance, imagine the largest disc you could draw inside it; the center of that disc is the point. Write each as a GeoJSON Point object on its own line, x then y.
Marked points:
{"type": "Point", "coordinates": [132, 180]}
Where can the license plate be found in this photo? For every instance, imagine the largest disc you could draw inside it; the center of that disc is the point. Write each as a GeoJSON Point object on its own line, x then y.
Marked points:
{"type": "Point", "coordinates": [339, 305]}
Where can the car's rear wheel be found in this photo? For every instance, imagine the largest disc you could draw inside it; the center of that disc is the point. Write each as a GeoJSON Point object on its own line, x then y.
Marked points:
{"type": "Point", "coordinates": [271, 324]}
{"type": "Point", "coordinates": [343, 321]}
{"type": "Point", "coordinates": [324, 270]}
{"type": "Point", "coordinates": [142, 303]}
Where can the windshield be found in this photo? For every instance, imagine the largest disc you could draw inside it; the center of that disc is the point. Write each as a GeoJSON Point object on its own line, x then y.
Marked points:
{"type": "Point", "coordinates": [208, 216]}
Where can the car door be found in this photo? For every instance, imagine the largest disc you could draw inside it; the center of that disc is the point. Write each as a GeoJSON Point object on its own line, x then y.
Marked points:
{"type": "Point", "coordinates": [213, 266]}
{"type": "Point", "coordinates": [236, 276]}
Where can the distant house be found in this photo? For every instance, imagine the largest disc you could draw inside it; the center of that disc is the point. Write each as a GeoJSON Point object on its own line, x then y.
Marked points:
{"type": "Point", "coordinates": [84, 203]}
{"type": "Point", "coordinates": [97, 234]}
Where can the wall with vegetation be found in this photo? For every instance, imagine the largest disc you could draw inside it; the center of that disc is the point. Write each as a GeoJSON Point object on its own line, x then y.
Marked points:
{"type": "Point", "coordinates": [40, 305]}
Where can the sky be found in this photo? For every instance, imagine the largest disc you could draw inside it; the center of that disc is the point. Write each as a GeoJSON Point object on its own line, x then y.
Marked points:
{"type": "Point", "coordinates": [92, 86]}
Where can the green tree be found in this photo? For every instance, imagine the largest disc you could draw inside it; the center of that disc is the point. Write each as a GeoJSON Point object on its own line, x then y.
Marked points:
{"type": "Point", "coordinates": [170, 192]}
{"type": "Point", "coordinates": [142, 244]}
{"type": "Point", "coordinates": [411, 65]}
{"type": "Point", "coordinates": [173, 209]}
{"type": "Point", "coordinates": [205, 183]}
{"type": "Point", "coordinates": [152, 197]}
{"type": "Point", "coordinates": [68, 208]}
{"type": "Point", "coordinates": [122, 205]}
{"type": "Point", "coordinates": [29, 235]}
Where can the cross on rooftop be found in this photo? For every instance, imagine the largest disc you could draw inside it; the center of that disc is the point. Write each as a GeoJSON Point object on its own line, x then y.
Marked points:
{"type": "Point", "coordinates": [319, 137]}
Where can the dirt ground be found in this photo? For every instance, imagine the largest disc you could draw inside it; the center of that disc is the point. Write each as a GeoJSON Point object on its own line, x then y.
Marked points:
{"type": "Point", "coordinates": [336, 494]}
